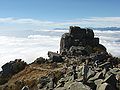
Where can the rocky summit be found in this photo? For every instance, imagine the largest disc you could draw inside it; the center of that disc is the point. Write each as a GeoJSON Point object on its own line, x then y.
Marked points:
{"type": "Point", "coordinates": [81, 64]}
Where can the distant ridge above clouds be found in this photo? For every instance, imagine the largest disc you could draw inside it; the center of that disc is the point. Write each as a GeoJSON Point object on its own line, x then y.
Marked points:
{"type": "Point", "coordinates": [108, 28]}
{"type": "Point", "coordinates": [60, 28]}
{"type": "Point", "coordinates": [99, 28]}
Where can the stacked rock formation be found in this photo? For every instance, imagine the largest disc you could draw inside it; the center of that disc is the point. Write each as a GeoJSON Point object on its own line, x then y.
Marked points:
{"type": "Point", "coordinates": [81, 40]}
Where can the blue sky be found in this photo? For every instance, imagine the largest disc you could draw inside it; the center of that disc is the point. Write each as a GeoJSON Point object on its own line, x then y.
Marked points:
{"type": "Point", "coordinates": [42, 14]}
{"type": "Point", "coordinates": [59, 10]}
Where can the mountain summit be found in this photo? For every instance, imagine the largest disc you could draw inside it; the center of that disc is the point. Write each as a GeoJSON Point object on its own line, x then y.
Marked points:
{"type": "Point", "coordinates": [81, 64]}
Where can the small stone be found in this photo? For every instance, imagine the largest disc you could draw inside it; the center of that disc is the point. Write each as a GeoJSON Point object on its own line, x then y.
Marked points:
{"type": "Point", "coordinates": [106, 86]}
{"type": "Point", "coordinates": [78, 86]}
{"type": "Point", "coordinates": [98, 75]}
{"type": "Point", "coordinates": [25, 88]}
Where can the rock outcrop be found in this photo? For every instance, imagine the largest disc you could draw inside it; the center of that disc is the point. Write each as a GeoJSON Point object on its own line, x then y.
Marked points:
{"type": "Point", "coordinates": [55, 57]}
{"type": "Point", "coordinates": [78, 48]}
{"type": "Point", "coordinates": [11, 68]}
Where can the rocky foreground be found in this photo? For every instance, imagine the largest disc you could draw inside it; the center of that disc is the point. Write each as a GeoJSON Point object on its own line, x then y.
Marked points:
{"type": "Point", "coordinates": [82, 64]}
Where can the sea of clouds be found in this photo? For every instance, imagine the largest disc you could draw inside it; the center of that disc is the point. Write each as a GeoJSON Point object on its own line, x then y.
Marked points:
{"type": "Point", "coordinates": [36, 45]}
{"type": "Point", "coordinates": [28, 38]}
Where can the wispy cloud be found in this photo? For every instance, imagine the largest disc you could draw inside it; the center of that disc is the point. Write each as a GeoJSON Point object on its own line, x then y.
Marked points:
{"type": "Point", "coordinates": [84, 22]}
{"type": "Point", "coordinates": [23, 20]}
{"type": "Point", "coordinates": [94, 22]}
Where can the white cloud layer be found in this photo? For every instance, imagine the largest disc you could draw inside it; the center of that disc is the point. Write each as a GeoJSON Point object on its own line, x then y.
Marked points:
{"type": "Point", "coordinates": [38, 44]}
{"type": "Point", "coordinates": [26, 48]}
{"type": "Point", "coordinates": [111, 40]}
